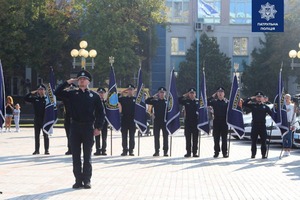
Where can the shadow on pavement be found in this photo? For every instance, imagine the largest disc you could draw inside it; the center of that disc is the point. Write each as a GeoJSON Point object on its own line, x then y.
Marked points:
{"type": "Point", "coordinates": [45, 195]}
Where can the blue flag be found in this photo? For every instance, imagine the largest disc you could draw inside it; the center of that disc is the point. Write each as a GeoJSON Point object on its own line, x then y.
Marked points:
{"type": "Point", "coordinates": [279, 114]}
{"type": "Point", "coordinates": [234, 111]}
{"type": "Point", "coordinates": [51, 110]}
{"type": "Point", "coordinates": [112, 108]}
{"type": "Point", "coordinates": [203, 120]}
{"type": "Point", "coordinates": [173, 112]}
{"type": "Point", "coordinates": [2, 97]}
{"type": "Point", "coordinates": [140, 117]}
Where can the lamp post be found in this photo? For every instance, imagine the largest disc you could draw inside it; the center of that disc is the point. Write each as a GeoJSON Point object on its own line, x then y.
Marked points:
{"type": "Point", "coordinates": [293, 54]}
{"type": "Point", "coordinates": [83, 53]}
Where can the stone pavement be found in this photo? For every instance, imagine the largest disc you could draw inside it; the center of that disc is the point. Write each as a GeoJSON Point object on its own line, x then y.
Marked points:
{"type": "Point", "coordinates": [24, 176]}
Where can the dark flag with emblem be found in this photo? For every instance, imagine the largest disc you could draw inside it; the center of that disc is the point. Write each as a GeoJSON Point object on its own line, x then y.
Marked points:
{"type": "Point", "coordinates": [234, 111]}
{"type": "Point", "coordinates": [140, 117]}
{"type": "Point", "coordinates": [203, 120]}
{"type": "Point", "coordinates": [51, 110]}
{"type": "Point", "coordinates": [2, 97]}
{"type": "Point", "coordinates": [279, 114]}
{"type": "Point", "coordinates": [112, 108]}
{"type": "Point", "coordinates": [172, 114]}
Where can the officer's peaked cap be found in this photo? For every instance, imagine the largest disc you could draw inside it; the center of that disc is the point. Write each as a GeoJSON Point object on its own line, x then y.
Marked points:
{"type": "Point", "coordinates": [130, 86]}
{"type": "Point", "coordinates": [84, 74]}
{"type": "Point", "coordinates": [41, 86]}
{"type": "Point", "coordinates": [101, 89]}
{"type": "Point", "coordinates": [259, 93]}
{"type": "Point", "coordinates": [161, 89]}
{"type": "Point", "coordinates": [221, 89]}
{"type": "Point", "coordinates": [192, 90]}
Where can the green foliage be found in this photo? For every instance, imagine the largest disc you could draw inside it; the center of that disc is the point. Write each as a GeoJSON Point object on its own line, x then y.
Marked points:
{"type": "Point", "coordinates": [216, 65]}
{"type": "Point", "coordinates": [122, 29]}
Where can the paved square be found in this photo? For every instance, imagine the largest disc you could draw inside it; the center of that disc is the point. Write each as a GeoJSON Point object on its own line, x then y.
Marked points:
{"type": "Point", "coordinates": [24, 176]}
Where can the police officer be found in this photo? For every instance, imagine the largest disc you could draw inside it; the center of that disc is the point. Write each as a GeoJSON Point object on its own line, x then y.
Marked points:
{"type": "Point", "coordinates": [86, 122]}
{"type": "Point", "coordinates": [220, 128]}
{"type": "Point", "coordinates": [191, 105]}
{"type": "Point", "coordinates": [38, 100]}
{"type": "Point", "coordinates": [127, 107]}
{"type": "Point", "coordinates": [259, 110]}
{"type": "Point", "coordinates": [159, 102]}
{"type": "Point", "coordinates": [102, 151]}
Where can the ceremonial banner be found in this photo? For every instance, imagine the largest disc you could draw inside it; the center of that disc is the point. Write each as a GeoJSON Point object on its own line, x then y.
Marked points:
{"type": "Point", "coordinates": [140, 117]}
{"type": "Point", "coordinates": [2, 97]}
{"type": "Point", "coordinates": [279, 109]}
{"type": "Point", "coordinates": [267, 16]}
{"type": "Point", "coordinates": [203, 120]}
{"type": "Point", "coordinates": [173, 112]}
{"type": "Point", "coordinates": [234, 111]}
{"type": "Point", "coordinates": [51, 110]}
{"type": "Point", "coordinates": [112, 108]}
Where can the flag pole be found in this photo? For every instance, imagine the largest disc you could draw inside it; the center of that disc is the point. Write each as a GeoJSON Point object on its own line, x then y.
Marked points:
{"type": "Point", "coordinates": [139, 143]}
{"type": "Point", "coordinates": [267, 154]}
{"type": "Point", "coordinates": [199, 142]}
{"type": "Point", "coordinates": [229, 141]}
{"type": "Point", "coordinates": [111, 148]}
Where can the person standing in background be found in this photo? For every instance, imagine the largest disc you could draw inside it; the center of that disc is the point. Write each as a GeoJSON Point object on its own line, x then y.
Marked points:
{"type": "Point", "coordinates": [17, 112]}
{"type": "Point", "coordinates": [9, 108]}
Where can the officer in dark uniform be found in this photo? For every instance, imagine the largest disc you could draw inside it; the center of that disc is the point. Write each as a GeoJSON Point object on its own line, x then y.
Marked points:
{"type": "Point", "coordinates": [259, 110]}
{"type": "Point", "coordinates": [102, 151]}
{"type": "Point", "coordinates": [191, 105]}
{"type": "Point", "coordinates": [127, 107]}
{"type": "Point", "coordinates": [220, 128]}
{"type": "Point", "coordinates": [159, 103]}
{"type": "Point", "coordinates": [86, 122]}
{"type": "Point", "coordinates": [38, 99]}
{"type": "Point", "coordinates": [67, 118]}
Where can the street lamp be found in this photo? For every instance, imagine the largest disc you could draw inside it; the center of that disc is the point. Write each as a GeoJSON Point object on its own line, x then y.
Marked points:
{"type": "Point", "coordinates": [293, 54]}
{"type": "Point", "coordinates": [83, 53]}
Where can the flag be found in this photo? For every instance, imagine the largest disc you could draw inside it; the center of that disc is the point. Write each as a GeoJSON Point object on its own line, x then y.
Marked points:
{"type": "Point", "coordinates": [140, 117]}
{"type": "Point", "coordinates": [2, 97]}
{"type": "Point", "coordinates": [279, 114]}
{"type": "Point", "coordinates": [234, 111]}
{"type": "Point", "coordinates": [207, 8]}
{"type": "Point", "coordinates": [172, 114]}
{"type": "Point", "coordinates": [203, 120]}
{"type": "Point", "coordinates": [112, 108]}
{"type": "Point", "coordinates": [50, 110]}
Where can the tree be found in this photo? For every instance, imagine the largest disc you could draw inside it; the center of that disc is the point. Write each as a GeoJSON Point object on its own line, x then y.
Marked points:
{"type": "Point", "coordinates": [121, 29]}
{"type": "Point", "coordinates": [216, 64]}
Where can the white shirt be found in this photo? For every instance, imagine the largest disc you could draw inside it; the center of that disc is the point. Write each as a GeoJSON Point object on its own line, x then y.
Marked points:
{"type": "Point", "coordinates": [290, 113]}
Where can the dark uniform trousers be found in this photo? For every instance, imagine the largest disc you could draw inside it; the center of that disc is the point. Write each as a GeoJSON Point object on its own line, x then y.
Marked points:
{"type": "Point", "coordinates": [38, 126]}
{"type": "Point", "coordinates": [259, 129]}
{"type": "Point", "coordinates": [103, 137]}
{"type": "Point", "coordinates": [82, 133]}
{"type": "Point", "coordinates": [191, 135]}
{"type": "Point", "coordinates": [125, 128]}
{"type": "Point", "coordinates": [67, 125]}
{"type": "Point", "coordinates": [220, 130]}
{"type": "Point", "coordinates": [156, 129]}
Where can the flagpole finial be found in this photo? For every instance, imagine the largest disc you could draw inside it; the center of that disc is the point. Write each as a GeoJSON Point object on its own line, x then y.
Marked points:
{"type": "Point", "coordinates": [111, 60]}
{"type": "Point", "coordinates": [281, 66]}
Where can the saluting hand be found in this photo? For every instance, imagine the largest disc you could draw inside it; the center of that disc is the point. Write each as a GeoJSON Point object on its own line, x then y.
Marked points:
{"type": "Point", "coordinates": [34, 92]}
{"type": "Point", "coordinates": [71, 80]}
{"type": "Point", "coordinates": [97, 132]}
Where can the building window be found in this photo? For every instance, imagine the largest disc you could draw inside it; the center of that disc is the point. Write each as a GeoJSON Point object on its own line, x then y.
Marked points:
{"type": "Point", "coordinates": [178, 11]}
{"type": "Point", "coordinates": [240, 11]}
{"type": "Point", "coordinates": [178, 46]}
{"type": "Point", "coordinates": [209, 11]}
{"type": "Point", "coordinates": [240, 46]}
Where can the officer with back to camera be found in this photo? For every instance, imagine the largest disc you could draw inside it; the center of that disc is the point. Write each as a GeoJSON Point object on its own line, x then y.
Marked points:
{"type": "Point", "coordinates": [159, 103]}
{"type": "Point", "coordinates": [191, 106]}
{"type": "Point", "coordinates": [86, 122]}
{"type": "Point", "coordinates": [127, 107]}
{"type": "Point", "coordinates": [38, 100]}
{"type": "Point", "coordinates": [220, 128]}
{"type": "Point", "coordinates": [259, 111]}
{"type": "Point", "coordinates": [102, 150]}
